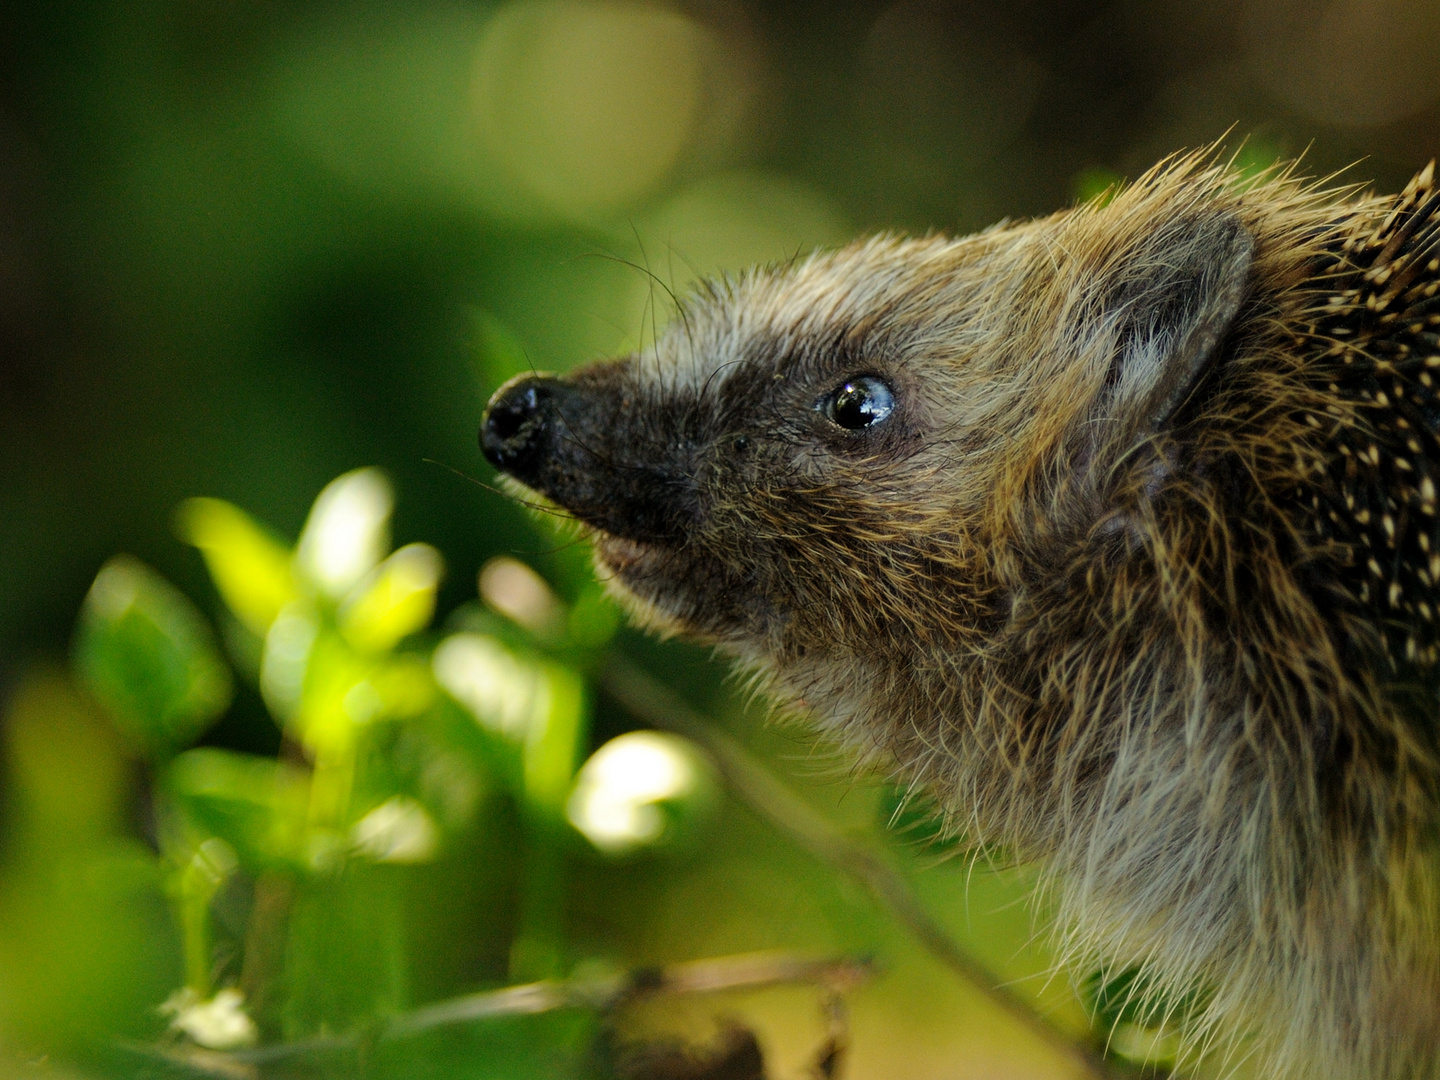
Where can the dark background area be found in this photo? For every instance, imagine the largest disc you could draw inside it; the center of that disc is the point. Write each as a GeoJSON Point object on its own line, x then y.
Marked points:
{"type": "Point", "coordinates": [196, 299]}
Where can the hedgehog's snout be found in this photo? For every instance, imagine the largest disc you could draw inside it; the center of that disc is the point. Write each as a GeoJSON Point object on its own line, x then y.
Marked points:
{"type": "Point", "coordinates": [519, 425]}
{"type": "Point", "coordinates": [591, 451]}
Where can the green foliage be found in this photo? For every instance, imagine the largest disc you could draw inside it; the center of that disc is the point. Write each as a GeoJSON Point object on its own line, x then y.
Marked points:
{"type": "Point", "coordinates": [249, 566]}
{"type": "Point", "coordinates": [255, 805]}
{"type": "Point", "coordinates": [144, 651]}
{"type": "Point", "coordinates": [84, 941]}
{"type": "Point", "coordinates": [396, 743]}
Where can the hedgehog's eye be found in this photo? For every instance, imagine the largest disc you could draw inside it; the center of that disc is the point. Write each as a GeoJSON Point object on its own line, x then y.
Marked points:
{"type": "Point", "coordinates": [858, 403]}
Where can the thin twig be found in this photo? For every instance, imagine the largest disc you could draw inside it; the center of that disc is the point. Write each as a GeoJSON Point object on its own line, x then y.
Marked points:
{"type": "Point", "coordinates": [603, 993]}
{"type": "Point", "coordinates": [608, 992]}
{"type": "Point", "coordinates": [651, 701]}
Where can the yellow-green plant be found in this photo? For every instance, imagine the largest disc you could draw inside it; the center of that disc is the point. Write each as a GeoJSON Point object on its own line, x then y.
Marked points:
{"type": "Point", "coordinates": [390, 735]}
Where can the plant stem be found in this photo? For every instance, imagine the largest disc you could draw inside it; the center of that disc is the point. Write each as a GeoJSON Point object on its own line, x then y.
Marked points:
{"type": "Point", "coordinates": [552, 750]}
{"type": "Point", "coordinates": [265, 939]}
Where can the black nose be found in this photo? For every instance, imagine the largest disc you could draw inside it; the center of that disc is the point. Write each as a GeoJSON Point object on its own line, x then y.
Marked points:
{"type": "Point", "coordinates": [516, 430]}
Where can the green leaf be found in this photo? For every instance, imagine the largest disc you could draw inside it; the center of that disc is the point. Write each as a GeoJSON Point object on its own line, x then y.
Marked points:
{"type": "Point", "coordinates": [504, 692]}
{"type": "Point", "coordinates": [552, 746]}
{"type": "Point", "coordinates": [67, 779]}
{"type": "Point", "coordinates": [145, 652]}
{"type": "Point", "coordinates": [255, 804]}
{"type": "Point", "coordinates": [538, 705]}
{"type": "Point", "coordinates": [347, 533]}
{"type": "Point", "coordinates": [324, 689]}
{"type": "Point", "coordinates": [395, 601]}
{"type": "Point", "coordinates": [86, 945]}
{"type": "Point", "coordinates": [251, 568]}
{"type": "Point", "coordinates": [404, 687]}
{"type": "Point", "coordinates": [398, 831]}
{"type": "Point", "coordinates": [285, 658]}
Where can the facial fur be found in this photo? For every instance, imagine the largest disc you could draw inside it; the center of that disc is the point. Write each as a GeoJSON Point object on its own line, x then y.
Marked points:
{"type": "Point", "coordinates": [1135, 575]}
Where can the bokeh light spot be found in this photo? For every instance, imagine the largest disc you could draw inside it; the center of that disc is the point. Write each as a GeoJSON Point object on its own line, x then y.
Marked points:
{"type": "Point", "coordinates": [520, 594]}
{"type": "Point", "coordinates": [617, 799]}
{"type": "Point", "coordinates": [588, 104]}
{"type": "Point", "coordinates": [502, 693]}
{"type": "Point", "coordinates": [397, 831]}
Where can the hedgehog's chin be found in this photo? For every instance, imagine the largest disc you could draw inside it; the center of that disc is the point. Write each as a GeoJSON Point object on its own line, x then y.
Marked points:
{"type": "Point", "coordinates": [619, 554]}
{"type": "Point", "coordinates": [636, 574]}
{"type": "Point", "coordinates": [675, 591]}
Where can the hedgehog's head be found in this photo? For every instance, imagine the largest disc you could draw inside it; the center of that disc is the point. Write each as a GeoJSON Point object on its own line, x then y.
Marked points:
{"type": "Point", "coordinates": [826, 456]}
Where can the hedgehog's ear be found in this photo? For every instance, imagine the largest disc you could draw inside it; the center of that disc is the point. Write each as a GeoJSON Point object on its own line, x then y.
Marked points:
{"type": "Point", "coordinates": [1180, 294]}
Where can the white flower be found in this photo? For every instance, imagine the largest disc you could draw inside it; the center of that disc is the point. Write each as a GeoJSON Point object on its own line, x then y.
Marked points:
{"type": "Point", "coordinates": [218, 1024]}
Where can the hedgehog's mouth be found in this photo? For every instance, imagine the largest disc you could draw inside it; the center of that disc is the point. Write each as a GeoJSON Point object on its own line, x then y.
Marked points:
{"type": "Point", "coordinates": [657, 574]}
{"type": "Point", "coordinates": [620, 554]}
{"type": "Point", "coordinates": [680, 589]}
{"type": "Point", "coordinates": [651, 580]}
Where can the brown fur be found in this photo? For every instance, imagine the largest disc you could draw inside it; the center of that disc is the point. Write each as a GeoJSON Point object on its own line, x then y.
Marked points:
{"type": "Point", "coordinates": [1141, 578]}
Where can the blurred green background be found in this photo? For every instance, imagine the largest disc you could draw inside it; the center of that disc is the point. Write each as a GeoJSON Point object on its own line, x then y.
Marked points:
{"type": "Point", "coordinates": [246, 247]}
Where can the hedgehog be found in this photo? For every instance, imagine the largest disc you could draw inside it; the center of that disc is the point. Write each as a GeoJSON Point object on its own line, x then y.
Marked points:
{"type": "Point", "coordinates": [1117, 532]}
